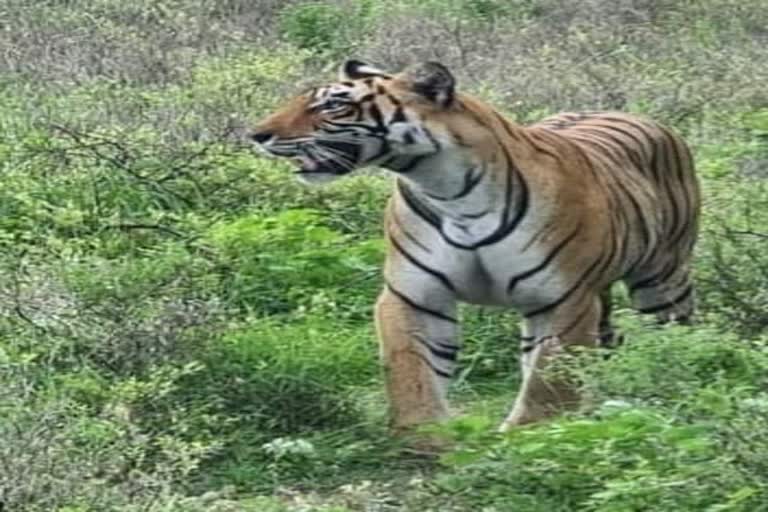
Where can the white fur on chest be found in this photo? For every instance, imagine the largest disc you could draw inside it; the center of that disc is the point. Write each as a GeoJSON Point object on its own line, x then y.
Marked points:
{"type": "Point", "coordinates": [482, 276]}
{"type": "Point", "coordinates": [470, 232]}
{"type": "Point", "coordinates": [518, 277]}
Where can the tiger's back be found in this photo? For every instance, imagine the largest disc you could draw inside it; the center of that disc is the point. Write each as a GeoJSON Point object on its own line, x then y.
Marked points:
{"type": "Point", "coordinates": [649, 170]}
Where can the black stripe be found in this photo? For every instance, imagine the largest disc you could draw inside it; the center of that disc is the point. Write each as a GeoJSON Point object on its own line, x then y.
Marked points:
{"type": "Point", "coordinates": [666, 305]}
{"type": "Point", "coordinates": [411, 164]}
{"type": "Point", "coordinates": [528, 273]}
{"type": "Point", "coordinates": [434, 273]}
{"type": "Point", "coordinates": [507, 128]}
{"type": "Point", "coordinates": [531, 139]}
{"type": "Point", "coordinates": [475, 215]}
{"type": "Point", "coordinates": [417, 206]}
{"type": "Point", "coordinates": [377, 118]}
{"type": "Point", "coordinates": [604, 147]}
{"type": "Point", "coordinates": [625, 240]}
{"type": "Point", "coordinates": [522, 207]}
{"type": "Point", "coordinates": [432, 367]}
{"type": "Point", "coordinates": [547, 227]}
{"type": "Point", "coordinates": [670, 224]}
{"type": "Point", "coordinates": [613, 250]}
{"type": "Point", "coordinates": [564, 296]}
{"type": "Point", "coordinates": [505, 226]}
{"type": "Point", "coordinates": [620, 226]}
{"type": "Point", "coordinates": [383, 151]}
{"type": "Point", "coordinates": [432, 139]}
{"type": "Point", "coordinates": [638, 125]}
{"type": "Point", "coordinates": [536, 342]}
{"type": "Point", "coordinates": [398, 116]}
{"type": "Point", "coordinates": [447, 346]}
{"type": "Point", "coordinates": [576, 320]}
{"type": "Point", "coordinates": [332, 129]}
{"type": "Point", "coordinates": [471, 180]}
{"type": "Point", "coordinates": [635, 157]}
{"type": "Point", "coordinates": [644, 229]}
{"type": "Point", "coordinates": [358, 126]}
{"type": "Point", "coordinates": [538, 147]}
{"type": "Point", "coordinates": [683, 196]}
{"type": "Point", "coordinates": [420, 308]}
{"type": "Point", "coordinates": [657, 278]}
{"type": "Point", "coordinates": [410, 236]}
{"type": "Point", "coordinates": [449, 354]}
{"type": "Point", "coordinates": [599, 264]}
{"type": "Point", "coordinates": [680, 174]}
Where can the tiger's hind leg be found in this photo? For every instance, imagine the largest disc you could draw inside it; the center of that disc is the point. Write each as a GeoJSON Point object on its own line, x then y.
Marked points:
{"type": "Point", "coordinates": [608, 337]}
{"type": "Point", "coordinates": [668, 294]}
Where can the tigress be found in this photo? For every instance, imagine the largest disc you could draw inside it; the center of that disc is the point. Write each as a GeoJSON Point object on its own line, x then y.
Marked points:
{"type": "Point", "coordinates": [541, 218]}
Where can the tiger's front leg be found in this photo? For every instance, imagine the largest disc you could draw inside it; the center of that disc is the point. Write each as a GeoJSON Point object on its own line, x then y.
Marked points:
{"type": "Point", "coordinates": [547, 337]}
{"type": "Point", "coordinates": [418, 342]}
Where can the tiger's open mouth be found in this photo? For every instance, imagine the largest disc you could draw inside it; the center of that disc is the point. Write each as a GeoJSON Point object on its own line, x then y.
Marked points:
{"type": "Point", "coordinates": [307, 165]}
{"type": "Point", "coordinates": [328, 157]}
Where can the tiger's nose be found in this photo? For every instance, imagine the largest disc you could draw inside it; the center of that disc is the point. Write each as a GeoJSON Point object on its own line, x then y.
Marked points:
{"type": "Point", "coordinates": [261, 137]}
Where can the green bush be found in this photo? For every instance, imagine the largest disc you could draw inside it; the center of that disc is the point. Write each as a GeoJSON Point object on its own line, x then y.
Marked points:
{"type": "Point", "coordinates": [291, 377]}
{"type": "Point", "coordinates": [697, 362]}
{"type": "Point", "coordinates": [732, 257]}
{"type": "Point", "coordinates": [491, 346]}
{"type": "Point", "coordinates": [286, 259]}
{"type": "Point", "coordinates": [79, 442]}
{"type": "Point", "coordinates": [324, 27]}
{"type": "Point", "coordinates": [628, 460]}
{"type": "Point", "coordinates": [672, 428]}
{"type": "Point", "coordinates": [273, 377]}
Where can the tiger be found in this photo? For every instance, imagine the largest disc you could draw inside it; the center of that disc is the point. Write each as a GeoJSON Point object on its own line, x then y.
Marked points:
{"type": "Point", "coordinates": [541, 218]}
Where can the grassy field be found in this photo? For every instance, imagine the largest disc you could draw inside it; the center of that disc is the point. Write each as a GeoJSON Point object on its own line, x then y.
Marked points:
{"type": "Point", "coordinates": [183, 327]}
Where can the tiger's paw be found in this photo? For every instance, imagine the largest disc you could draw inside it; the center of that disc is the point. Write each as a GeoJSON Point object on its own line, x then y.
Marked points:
{"type": "Point", "coordinates": [610, 339]}
{"type": "Point", "coordinates": [422, 441]}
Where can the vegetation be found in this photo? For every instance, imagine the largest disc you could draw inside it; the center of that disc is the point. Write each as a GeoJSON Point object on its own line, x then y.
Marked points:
{"type": "Point", "coordinates": [185, 328]}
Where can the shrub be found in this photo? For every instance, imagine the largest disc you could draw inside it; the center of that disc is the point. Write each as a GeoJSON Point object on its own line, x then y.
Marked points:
{"type": "Point", "coordinates": [289, 377]}
{"type": "Point", "coordinates": [732, 257]}
{"type": "Point", "coordinates": [696, 360]}
{"type": "Point", "coordinates": [283, 260]}
{"type": "Point", "coordinates": [673, 429]}
{"type": "Point", "coordinates": [318, 26]}
{"type": "Point", "coordinates": [72, 443]}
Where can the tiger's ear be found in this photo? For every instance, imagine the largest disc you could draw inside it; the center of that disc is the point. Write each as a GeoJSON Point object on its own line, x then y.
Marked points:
{"type": "Point", "coordinates": [355, 70]}
{"type": "Point", "coordinates": [433, 81]}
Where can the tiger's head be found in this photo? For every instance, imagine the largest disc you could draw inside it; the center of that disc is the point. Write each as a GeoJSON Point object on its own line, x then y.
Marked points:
{"type": "Point", "coordinates": [370, 118]}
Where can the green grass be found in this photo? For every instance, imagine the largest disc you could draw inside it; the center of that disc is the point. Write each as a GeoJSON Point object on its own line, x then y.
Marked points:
{"type": "Point", "coordinates": [185, 327]}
